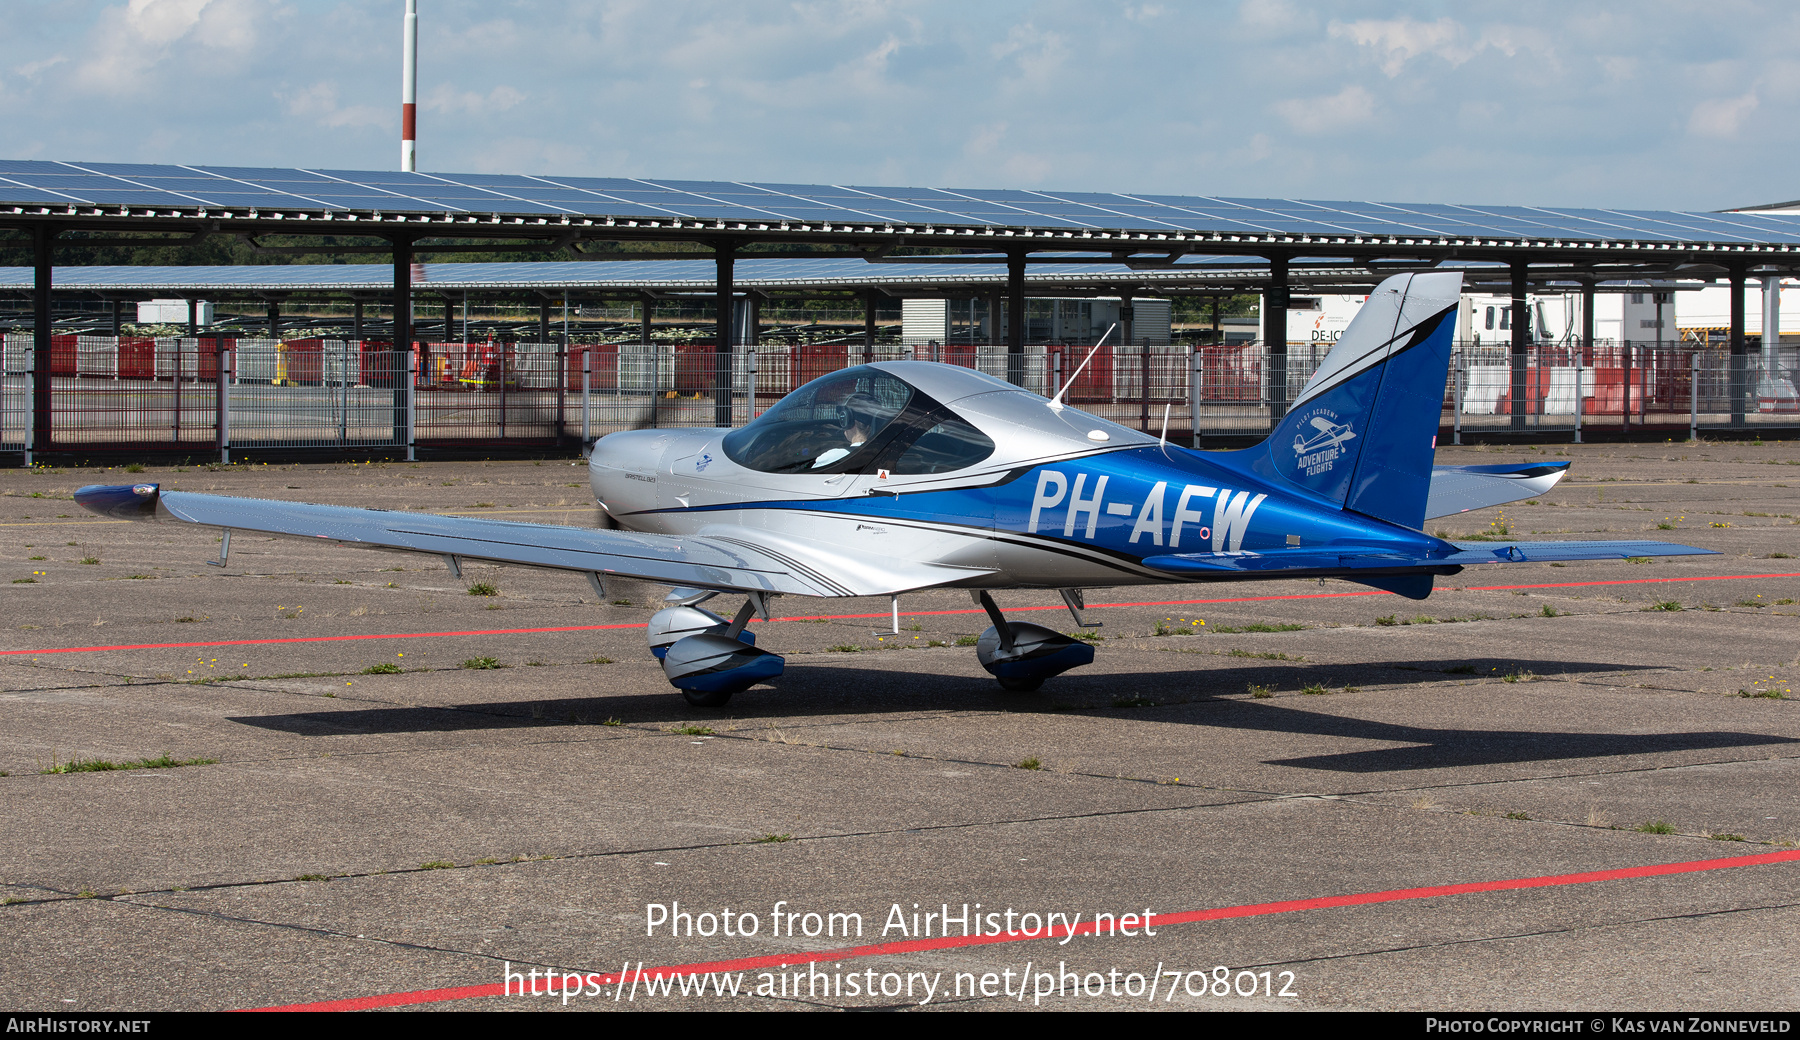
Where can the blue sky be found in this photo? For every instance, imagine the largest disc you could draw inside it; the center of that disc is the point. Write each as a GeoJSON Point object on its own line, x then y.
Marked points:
{"type": "Point", "coordinates": [1647, 104]}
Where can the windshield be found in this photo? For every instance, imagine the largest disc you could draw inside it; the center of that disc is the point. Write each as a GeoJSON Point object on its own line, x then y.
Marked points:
{"type": "Point", "coordinates": [821, 425]}
{"type": "Point", "coordinates": [859, 420]}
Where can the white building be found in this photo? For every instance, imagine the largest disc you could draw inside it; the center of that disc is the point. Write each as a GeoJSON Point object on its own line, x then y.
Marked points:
{"type": "Point", "coordinates": [1079, 320]}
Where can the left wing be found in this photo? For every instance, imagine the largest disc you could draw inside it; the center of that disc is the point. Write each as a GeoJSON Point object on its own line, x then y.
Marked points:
{"type": "Point", "coordinates": [734, 560]}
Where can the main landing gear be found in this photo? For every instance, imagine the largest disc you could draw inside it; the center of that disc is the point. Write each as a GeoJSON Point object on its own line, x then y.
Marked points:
{"type": "Point", "coordinates": [1022, 655]}
{"type": "Point", "coordinates": [706, 657]}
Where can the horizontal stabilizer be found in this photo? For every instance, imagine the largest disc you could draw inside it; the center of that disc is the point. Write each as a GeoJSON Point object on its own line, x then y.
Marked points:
{"type": "Point", "coordinates": [1458, 489]}
{"type": "Point", "coordinates": [1559, 552]}
{"type": "Point", "coordinates": [1346, 561]}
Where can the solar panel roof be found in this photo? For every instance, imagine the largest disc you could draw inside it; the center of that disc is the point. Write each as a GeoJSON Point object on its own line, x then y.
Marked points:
{"type": "Point", "coordinates": [37, 185]}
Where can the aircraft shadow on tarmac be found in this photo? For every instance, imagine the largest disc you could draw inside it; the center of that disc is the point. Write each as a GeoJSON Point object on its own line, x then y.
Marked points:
{"type": "Point", "coordinates": [1182, 698]}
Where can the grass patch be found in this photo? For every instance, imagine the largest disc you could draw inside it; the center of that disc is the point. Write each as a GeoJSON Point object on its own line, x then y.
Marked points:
{"type": "Point", "coordinates": [1771, 556]}
{"type": "Point", "coordinates": [90, 560]}
{"type": "Point", "coordinates": [1386, 621]}
{"type": "Point", "coordinates": [483, 588]}
{"type": "Point", "coordinates": [1028, 763]}
{"type": "Point", "coordinates": [482, 663]}
{"type": "Point", "coordinates": [313, 877]}
{"type": "Point", "coordinates": [101, 765]}
{"type": "Point", "coordinates": [693, 731]}
{"type": "Point", "coordinates": [1519, 676]}
{"type": "Point", "coordinates": [774, 839]}
{"type": "Point", "coordinates": [1259, 628]}
{"type": "Point", "coordinates": [1548, 611]}
{"type": "Point", "coordinates": [1774, 695]}
{"type": "Point", "coordinates": [1667, 604]}
{"type": "Point", "coordinates": [966, 640]}
{"type": "Point", "coordinates": [382, 669]}
{"type": "Point", "coordinates": [1261, 692]}
{"type": "Point", "coordinates": [1314, 689]}
{"type": "Point", "coordinates": [598, 660]}
{"type": "Point", "coordinates": [1518, 816]}
{"type": "Point", "coordinates": [1655, 827]}
{"type": "Point", "coordinates": [24, 581]}
{"type": "Point", "coordinates": [437, 864]}
{"type": "Point", "coordinates": [612, 721]}
{"type": "Point", "coordinates": [1267, 655]}
{"type": "Point", "coordinates": [621, 603]}
{"type": "Point", "coordinates": [1726, 837]}
{"type": "Point", "coordinates": [1637, 559]}
{"type": "Point", "coordinates": [1091, 637]}
{"type": "Point", "coordinates": [845, 648]}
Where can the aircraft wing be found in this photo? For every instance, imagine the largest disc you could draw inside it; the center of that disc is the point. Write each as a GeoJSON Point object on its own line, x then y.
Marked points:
{"type": "Point", "coordinates": [732, 561]}
{"type": "Point", "coordinates": [1458, 489]}
{"type": "Point", "coordinates": [1307, 561]}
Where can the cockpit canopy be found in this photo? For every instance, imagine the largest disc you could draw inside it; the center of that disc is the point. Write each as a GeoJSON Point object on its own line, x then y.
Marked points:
{"type": "Point", "coordinates": [858, 421]}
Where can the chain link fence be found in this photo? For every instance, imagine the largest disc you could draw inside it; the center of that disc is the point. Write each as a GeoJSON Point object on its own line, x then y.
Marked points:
{"type": "Point", "coordinates": [135, 394]}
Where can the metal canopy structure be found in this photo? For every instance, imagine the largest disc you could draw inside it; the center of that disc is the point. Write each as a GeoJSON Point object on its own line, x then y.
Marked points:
{"type": "Point", "coordinates": [539, 213]}
{"type": "Point", "coordinates": [474, 204]}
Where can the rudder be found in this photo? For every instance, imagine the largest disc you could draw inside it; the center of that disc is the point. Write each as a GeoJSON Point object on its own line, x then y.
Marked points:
{"type": "Point", "coordinates": [1363, 432]}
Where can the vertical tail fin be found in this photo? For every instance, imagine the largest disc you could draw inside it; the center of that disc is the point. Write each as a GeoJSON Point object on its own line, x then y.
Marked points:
{"type": "Point", "coordinates": [1363, 432]}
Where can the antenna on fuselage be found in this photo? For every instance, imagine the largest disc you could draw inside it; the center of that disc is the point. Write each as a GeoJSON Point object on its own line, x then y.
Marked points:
{"type": "Point", "coordinates": [1056, 402]}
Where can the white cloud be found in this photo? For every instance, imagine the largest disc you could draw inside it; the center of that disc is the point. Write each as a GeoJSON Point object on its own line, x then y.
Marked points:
{"type": "Point", "coordinates": [130, 41]}
{"type": "Point", "coordinates": [1345, 110]}
{"type": "Point", "coordinates": [1721, 117]}
{"type": "Point", "coordinates": [319, 103]}
{"type": "Point", "coordinates": [447, 99]}
{"type": "Point", "coordinates": [1402, 39]}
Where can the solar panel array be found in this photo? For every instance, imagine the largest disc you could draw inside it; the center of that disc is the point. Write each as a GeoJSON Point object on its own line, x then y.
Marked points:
{"type": "Point", "coordinates": [582, 274]}
{"type": "Point", "coordinates": [36, 183]}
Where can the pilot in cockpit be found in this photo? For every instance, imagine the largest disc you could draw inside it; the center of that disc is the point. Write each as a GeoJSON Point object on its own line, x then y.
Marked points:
{"type": "Point", "coordinates": [861, 414]}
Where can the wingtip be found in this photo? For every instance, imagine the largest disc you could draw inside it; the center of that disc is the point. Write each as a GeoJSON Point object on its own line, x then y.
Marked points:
{"type": "Point", "coordinates": [120, 501]}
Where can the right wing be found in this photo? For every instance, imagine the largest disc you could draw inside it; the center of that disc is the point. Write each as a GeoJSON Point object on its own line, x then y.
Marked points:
{"type": "Point", "coordinates": [733, 562]}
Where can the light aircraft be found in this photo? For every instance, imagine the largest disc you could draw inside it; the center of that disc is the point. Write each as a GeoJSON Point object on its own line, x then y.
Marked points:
{"type": "Point", "coordinates": [896, 477]}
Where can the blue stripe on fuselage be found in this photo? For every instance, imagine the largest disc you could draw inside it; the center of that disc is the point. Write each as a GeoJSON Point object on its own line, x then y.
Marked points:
{"type": "Point", "coordinates": [1133, 503]}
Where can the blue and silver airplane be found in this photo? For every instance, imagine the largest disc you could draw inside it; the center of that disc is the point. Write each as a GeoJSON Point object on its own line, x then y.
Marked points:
{"type": "Point", "coordinates": [903, 476]}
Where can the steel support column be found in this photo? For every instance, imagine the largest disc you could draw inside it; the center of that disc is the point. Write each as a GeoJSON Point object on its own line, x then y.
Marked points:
{"type": "Point", "coordinates": [724, 257]}
{"type": "Point", "coordinates": [274, 318]}
{"type": "Point", "coordinates": [869, 326]}
{"type": "Point", "coordinates": [118, 306]}
{"type": "Point", "coordinates": [1274, 332]}
{"type": "Point", "coordinates": [449, 319]}
{"type": "Point", "coordinates": [1585, 357]}
{"type": "Point", "coordinates": [193, 317]}
{"type": "Point", "coordinates": [1126, 314]}
{"type": "Point", "coordinates": [1015, 318]}
{"type": "Point", "coordinates": [42, 415]}
{"type": "Point", "coordinates": [400, 363]}
{"type": "Point", "coordinates": [1521, 340]}
{"type": "Point", "coordinates": [1738, 388]}
{"type": "Point", "coordinates": [648, 303]}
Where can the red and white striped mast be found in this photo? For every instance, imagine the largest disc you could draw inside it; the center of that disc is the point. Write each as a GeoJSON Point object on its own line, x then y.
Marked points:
{"type": "Point", "coordinates": [409, 89]}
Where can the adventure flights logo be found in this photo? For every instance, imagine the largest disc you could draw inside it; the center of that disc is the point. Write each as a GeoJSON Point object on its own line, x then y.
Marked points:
{"type": "Point", "coordinates": [1319, 452]}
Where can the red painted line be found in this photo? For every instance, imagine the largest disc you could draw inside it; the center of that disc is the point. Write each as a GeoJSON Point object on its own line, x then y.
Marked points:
{"type": "Point", "coordinates": [1288, 906]}
{"type": "Point", "coordinates": [856, 617]}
